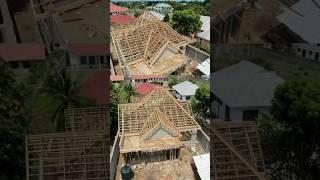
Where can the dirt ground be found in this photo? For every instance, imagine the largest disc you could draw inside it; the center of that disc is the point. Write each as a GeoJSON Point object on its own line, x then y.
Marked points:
{"type": "Point", "coordinates": [179, 169]}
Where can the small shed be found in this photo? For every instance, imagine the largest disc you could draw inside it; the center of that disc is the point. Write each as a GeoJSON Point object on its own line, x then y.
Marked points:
{"type": "Point", "coordinates": [184, 90]}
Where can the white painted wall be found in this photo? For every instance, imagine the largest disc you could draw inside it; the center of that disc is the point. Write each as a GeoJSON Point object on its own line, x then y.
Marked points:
{"type": "Point", "coordinates": [310, 51]}
{"type": "Point", "coordinates": [6, 28]}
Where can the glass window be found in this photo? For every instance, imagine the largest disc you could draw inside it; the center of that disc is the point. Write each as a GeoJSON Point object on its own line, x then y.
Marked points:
{"type": "Point", "coordinates": [92, 60]}
{"type": "Point", "coordinates": [14, 65]}
{"type": "Point", "coordinates": [83, 60]}
{"type": "Point", "coordinates": [26, 64]}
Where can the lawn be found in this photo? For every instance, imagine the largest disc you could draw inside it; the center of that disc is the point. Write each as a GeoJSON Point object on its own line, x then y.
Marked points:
{"type": "Point", "coordinates": [287, 66]}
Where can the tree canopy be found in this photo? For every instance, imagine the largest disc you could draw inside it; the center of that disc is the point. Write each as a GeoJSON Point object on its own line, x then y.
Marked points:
{"type": "Point", "coordinates": [201, 102]}
{"type": "Point", "coordinates": [186, 21]}
{"type": "Point", "coordinates": [290, 138]}
{"type": "Point", "coordinates": [13, 126]}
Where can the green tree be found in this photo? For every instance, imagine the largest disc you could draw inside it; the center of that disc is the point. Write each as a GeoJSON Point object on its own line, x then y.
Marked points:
{"type": "Point", "coordinates": [13, 126]}
{"type": "Point", "coordinates": [60, 88]}
{"type": "Point", "coordinates": [186, 22]}
{"type": "Point", "coordinates": [290, 138]}
{"type": "Point", "coordinates": [130, 91]}
{"type": "Point", "coordinates": [201, 102]}
{"type": "Point", "coordinates": [166, 18]}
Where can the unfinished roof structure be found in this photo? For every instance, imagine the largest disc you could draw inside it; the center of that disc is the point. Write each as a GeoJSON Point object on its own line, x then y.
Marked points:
{"type": "Point", "coordinates": [157, 125]}
{"type": "Point", "coordinates": [86, 119]}
{"type": "Point", "coordinates": [148, 46]}
{"type": "Point", "coordinates": [82, 152]}
{"type": "Point", "coordinates": [235, 151]}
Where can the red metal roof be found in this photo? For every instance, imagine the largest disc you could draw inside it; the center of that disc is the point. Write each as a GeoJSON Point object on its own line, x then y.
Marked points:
{"type": "Point", "coordinates": [115, 8]}
{"type": "Point", "coordinates": [116, 77]}
{"type": "Point", "coordinates": [145, 88]}
{"type": "Point", "coordinates": [121, 19]}
{"type": "Point", "coordinates": [22, 52]}
{"type": "Point", "coordinates": [87, 49]}
{"type": "Point", "coordinates": [97, 87]}
{"type": "Point", "coordinates": [150, 76]}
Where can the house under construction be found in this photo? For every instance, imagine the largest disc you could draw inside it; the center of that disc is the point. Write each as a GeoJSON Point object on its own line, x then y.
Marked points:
{"type": "Point", "coordinates": [81, 152]}
{"type": "Point", "coordinates": [235, 151]}
{"type": "Point", "coordinates": [155, 128]}
{"type": "Point", "coordinates": [227, 19]}
{"type": "Point", "coordinates": [148, 46]}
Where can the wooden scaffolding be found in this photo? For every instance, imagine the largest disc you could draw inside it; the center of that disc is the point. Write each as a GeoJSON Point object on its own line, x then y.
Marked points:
{"type": "Point", "coordinates": [82, 152]}
{"type": "Point", "coordinates": [235, 151]}
{"type": "Point", "coordinates": [145, 40]}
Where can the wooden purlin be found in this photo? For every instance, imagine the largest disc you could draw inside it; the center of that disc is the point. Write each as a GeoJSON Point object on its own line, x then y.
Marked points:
{"type": "Point", "coordinates": [132, 116]}
{"type": "Point", "coordinates": [143, 39]}
{"type": "Point", "coordinates": [156, 121]}
{"type": "Point", "coordinates": [86, 119]}
{"type": "Point", "coordinates": [235, 151]}
{"type": "Point", "coordinates": [66, 156]}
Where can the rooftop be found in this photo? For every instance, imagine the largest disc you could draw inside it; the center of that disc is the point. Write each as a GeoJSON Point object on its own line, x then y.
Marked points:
{"type": "Point", "coordinates": [204, 67]}
{"type": "Point", "coordinates": [204, 35]}
{"type": "Point", "coordinates": [302, 15]}
{"type": "Point", "coordinates": [116, 8]}
{"type": "Point", "coordinates": [22, 52]}
{"type": "Point", "coordinates": [145, 88]}
{"type": "Point", "coordinates": [186, 88]}
{"type": "Point", "coordinates": [148, 45]}
{"type": "Point", "coordinates": [121, 19]}
{"type": "Point", "coordinates": [245, 85]}
{"type": "Point", "coordinates": [89, 21]}
{"type": "Point", "coordinates": [96, 87]}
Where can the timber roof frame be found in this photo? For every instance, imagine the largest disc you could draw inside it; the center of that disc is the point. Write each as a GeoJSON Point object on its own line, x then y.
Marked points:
{"type": "Point", "coordinates": [132, 117]}
{"type": "Point", "coordinates": [144, 40]}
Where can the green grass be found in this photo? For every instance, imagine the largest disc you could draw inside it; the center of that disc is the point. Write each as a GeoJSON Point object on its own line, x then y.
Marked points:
{"type": "Point", "coordinates": [289, 68]}
{"type": "Point", "coordinates": [197, 81]}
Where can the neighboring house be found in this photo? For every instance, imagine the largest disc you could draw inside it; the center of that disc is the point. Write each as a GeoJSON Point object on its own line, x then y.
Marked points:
{"type": "Point", "coordinates": [21, 57]}
{"type": "Point", "coordinates": [136, 79]}
{"type": "Point", "coordinates": [145, 88]}
{"type": "Point", "coordinates": [204, 39]}
{"type": "Point", "coordinates": [184, 90]}
{"type": "Point", "coordinates": [121, 19]}
{"type": "Point", "coordinates": [96, 87]}
{"type": "Point", "coordinates": [204, 68]}
{"type": "Point", "coordinates": [157, 15]}
{"type": "Point", "coordinates": [7, 34]}
{"type": "Point", "coordinates": [307, 51]}
{"type": "Point", "coordinates": [205, 23]}
{"type": "Point", "coordinates": [84, 56]}
{"type": "Point", "coordinates": [115, 9]}
{"type": "Point", "coordinates": [243, 91]}
{"type": "Point", "coordinates": [297, 24]}
{"type": "Point", "coordinates": [163, 8]}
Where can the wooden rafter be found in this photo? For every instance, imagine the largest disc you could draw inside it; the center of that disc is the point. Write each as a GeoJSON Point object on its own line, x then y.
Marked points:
{"type": "Point", "coordinates": [132, 116]}
{"type": "Point", "coordinates": [68, 156]}
{"type": "Point", "coordinates": [144, 39]}
{"type": "Point", "coordinates": [236, 151]}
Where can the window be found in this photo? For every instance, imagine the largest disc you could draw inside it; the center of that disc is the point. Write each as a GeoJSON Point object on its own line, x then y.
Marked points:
{"type": "Point", "coordinates": [227, 113]}
{"type": "Point", "coordinates": [1, 36]}
{"type": "Point", "coordinates": [317, 56]}
{"type": "Point", "coordinates": [26, 64]}
{"type": "Point", "coordinates": [14, 65]}
{"type": "Point", "coordinates": [250, 115]}
{"type": "Point", "coordinates": [102, 60]}
{"type": "Point", "coordinates": [1, 17]}
{"type": "Point", "coordinates": [303, 53]}
{"type": "Point", "coordinates": [92, 60]}
{"type": "Point", "coordinates": [83, 60]}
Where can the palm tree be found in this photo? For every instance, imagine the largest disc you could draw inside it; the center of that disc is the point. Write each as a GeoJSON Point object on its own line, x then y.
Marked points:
{"type": "Point", "coordinates": [61, 89]}
{"type": "Point", "coordinates": [130, 91]}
